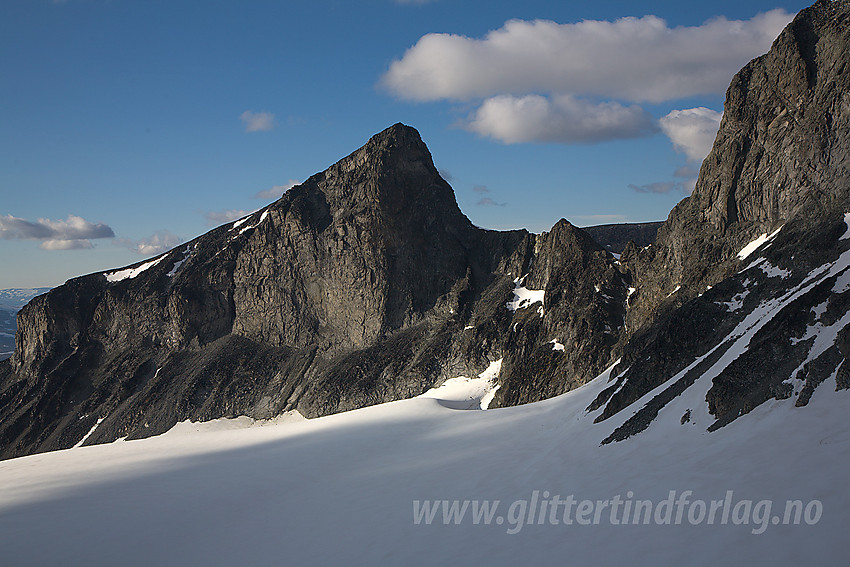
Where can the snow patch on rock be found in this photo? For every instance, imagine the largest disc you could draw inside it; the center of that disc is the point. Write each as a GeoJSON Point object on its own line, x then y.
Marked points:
{"type": "Point", "coordinates": [468, 393]}
{"type": "Point", "coordinates": [131, 273]}
{"type": "Point", "coordinates": [524, 297]}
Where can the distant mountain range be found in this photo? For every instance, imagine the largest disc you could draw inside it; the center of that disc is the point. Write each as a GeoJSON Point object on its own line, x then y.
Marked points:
{"type": "Point", "coordinates": [11, 301]}
{"type": "Point", "coordinates": [615, 237]}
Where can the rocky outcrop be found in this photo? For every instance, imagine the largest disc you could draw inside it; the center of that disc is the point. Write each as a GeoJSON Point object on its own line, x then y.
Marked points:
{"type": "Point", "coordinates": [556, 345]}
{"type": "Point", "coordinates": [362, 285]}
{"type": "Point", "coordinates": [11, 301]}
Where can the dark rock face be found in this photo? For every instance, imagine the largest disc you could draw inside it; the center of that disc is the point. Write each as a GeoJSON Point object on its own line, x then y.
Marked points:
{"type": "Point", "coordinates": [767, 328]}
{"type": "Point", "coordinates": [583, 307]}
{"type": "Point", "coordinates": [367, 284]}
{"type": "Point", "coordinates": [775, 330]}
{"type": "Point", "coordinates": [781, 150]}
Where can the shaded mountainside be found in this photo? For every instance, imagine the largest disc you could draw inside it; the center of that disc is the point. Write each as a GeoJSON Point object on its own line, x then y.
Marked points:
{"type": "Point", "coordinates": [782, 150]}
{"type": "Point", "coordinates": [367, 284]}
{"type": "Point", "coordinates": [743, 294]}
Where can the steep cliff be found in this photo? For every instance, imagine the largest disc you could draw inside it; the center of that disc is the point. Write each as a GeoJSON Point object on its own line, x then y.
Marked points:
{"type": "Point", "coordinates": [743, 290]}
{"type": "Point", "coordinates": [781, 150]}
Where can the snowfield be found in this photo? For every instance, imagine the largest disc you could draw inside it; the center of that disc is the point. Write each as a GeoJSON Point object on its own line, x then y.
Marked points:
{"type": "Point", "coordinates": [756, 244]}
{"type": "Point", "coordinates": [524, 297]}
{"type": "Point", "coordinates": [346, 489]}
{"type": "Point", "coordinates": [130, 273]}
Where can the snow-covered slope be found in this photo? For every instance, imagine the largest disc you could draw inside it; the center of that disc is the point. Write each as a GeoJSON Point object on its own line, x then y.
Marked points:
{"type": "Point", "coordinates": [348, 488]}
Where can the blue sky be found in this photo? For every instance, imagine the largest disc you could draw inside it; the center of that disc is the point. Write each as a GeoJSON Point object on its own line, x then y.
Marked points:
{"type": "Point", "coordinates": [129, 126]}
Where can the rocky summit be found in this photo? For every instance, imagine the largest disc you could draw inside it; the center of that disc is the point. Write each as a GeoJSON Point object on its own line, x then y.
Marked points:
{"type": "Point", "coordinates": [366, 284]}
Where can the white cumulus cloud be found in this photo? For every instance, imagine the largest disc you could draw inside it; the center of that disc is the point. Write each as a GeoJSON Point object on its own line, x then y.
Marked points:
{"type": "Point", "coordinates": [562, 119]}
{"type": "Point", "coordinates": [632, 59]}
{"type": "Point", "coordinates": [692, 131]}
{"type": "Point", "coordinates": [257, 121]}
{"type": "Point", "coordinates": [542, 81]}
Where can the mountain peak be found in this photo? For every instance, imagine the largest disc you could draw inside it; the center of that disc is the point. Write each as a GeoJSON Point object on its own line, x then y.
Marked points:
{"type": "Point", "coordinates": [398, 132]}
{"type": "Point", "coordinates": [396, 146]}
{"type": "Point", "coordinates": [392, 176]}
{"type": "Point", "coordinates": [785, 118]}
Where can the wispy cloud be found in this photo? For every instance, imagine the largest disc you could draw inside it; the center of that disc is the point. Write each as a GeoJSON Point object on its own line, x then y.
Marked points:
{"type": "Point", "coordinates": [686, 171]}
{"type": "Point", "coordinates": [215, 218]}
{"type": "Point", "coordinates": [73, 233]}
{"type": "Point", "coordinates": [257, 121]}
{"type": "Point", "coordinates": [488, 202]}
{"type": "Point", "coordinates": [685, 179]}
{"type": "Point", "coordinates": [687, 176]}
{"type": "Point", "coordinates": [485, 201]}
{"type": "Point", "coordinates": [657, 187]}
{"type": "Point", "coordinates": [277, 191]}
{"type": "Point", "coordinates": [158, 243]}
